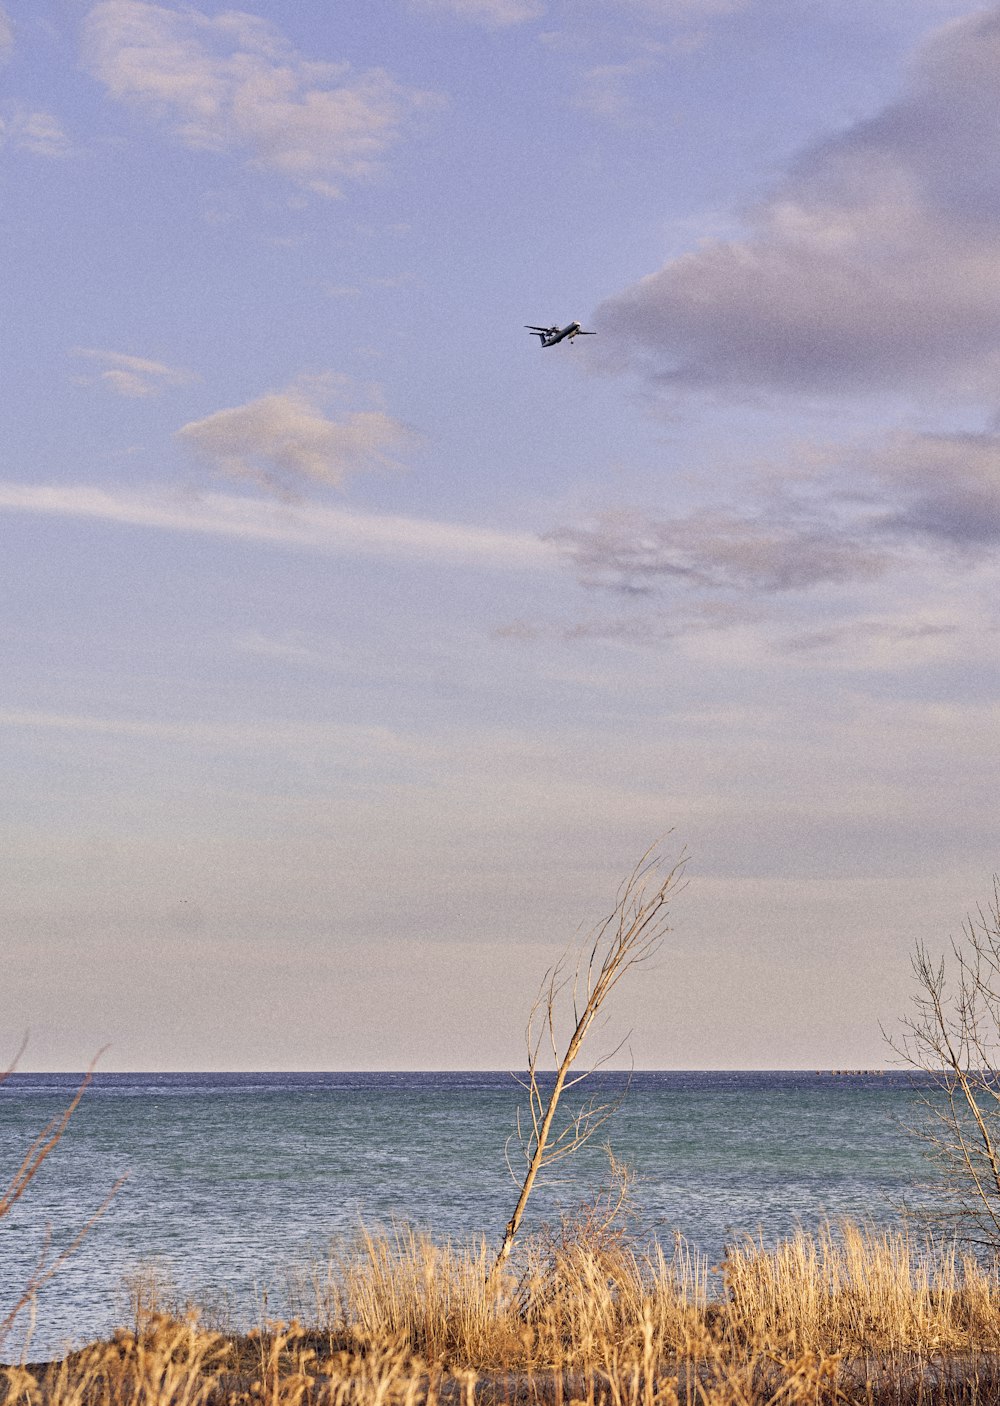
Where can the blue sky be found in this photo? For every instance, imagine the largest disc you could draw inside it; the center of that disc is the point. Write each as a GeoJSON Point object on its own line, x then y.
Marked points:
{"type": "Point", "coordinates": [354, 646]}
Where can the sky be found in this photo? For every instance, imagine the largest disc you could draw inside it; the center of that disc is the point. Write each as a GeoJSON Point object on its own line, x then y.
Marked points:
{"type": "Point", "coordinates": [354, 647]}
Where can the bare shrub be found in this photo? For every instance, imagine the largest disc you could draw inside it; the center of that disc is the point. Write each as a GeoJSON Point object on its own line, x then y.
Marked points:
{"type": "Point", "coordinates": [953, 1038]}
{"type": "Point", "coordinates": [629, 936]}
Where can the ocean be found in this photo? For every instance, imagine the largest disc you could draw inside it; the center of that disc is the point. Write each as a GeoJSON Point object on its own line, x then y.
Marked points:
{"type": "Point", "coordinates": [235, 1181]}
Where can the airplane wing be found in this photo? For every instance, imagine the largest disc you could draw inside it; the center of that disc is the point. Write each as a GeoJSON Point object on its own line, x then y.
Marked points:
{"type": "Point", "coordinates": [532, 328]}
{"type": "Point", "coordinates": [586, 334]}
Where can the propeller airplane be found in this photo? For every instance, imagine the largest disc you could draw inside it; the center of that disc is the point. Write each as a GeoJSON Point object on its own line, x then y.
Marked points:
{"type": "Point", "coordinates": [549, 336]}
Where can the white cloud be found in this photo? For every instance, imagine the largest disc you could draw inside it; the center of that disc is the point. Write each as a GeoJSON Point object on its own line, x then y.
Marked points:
{"type": "Point", "coordinates": [875, 264]}
{"type": "Point", "coordinates": [36, 132]}
{"type": "Point", "coordinates": [283, 439]}
{"type": "Point", "coordinates": [495, 14]}
{"type": "Point", "coordinates": [231, 82]}
{"type": "Point", "coordinates": [133, 376]}
{"type": "Point", "coordinates": [328, 530]}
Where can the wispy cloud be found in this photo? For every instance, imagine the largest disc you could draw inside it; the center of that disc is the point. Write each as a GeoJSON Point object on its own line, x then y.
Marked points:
{"type": "Point", "coordinates": [232, 83]}
{"type": "Point", "coordinates": [498, 14]}
{"type": "Point", "coordinates": [874, 637]}
{"type": "Point", "coordinates": [851, 522]}
{"type": "Point", "coordinates": [328, 530]}
{"type": "Point", "coordinates": [290, 648]}
{"type": "Point", "coordinates": [34, 131]}
{"type": "Point", "coordinates": [875, 263]}
{"type": "Point", "coordinates": [604, 88]}
{"type": "Point", "coordinates": [286, 438]}
{"type": "Point", "coordinates": [241, 736]}
{"type": "Point", "coordinates": [495, 14]}
{"type": "Point", "coordinates": [672, 11]}
{"type": "Point", "coordinates": [649, 627]}
{"type": "Point", "coordinates": [132, 376]}
{"type": "Point", "coordinates": [635, 552]}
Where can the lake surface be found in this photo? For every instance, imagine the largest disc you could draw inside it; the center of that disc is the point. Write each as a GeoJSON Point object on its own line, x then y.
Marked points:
{"type": "Point", "coordinates": [233, 1179]}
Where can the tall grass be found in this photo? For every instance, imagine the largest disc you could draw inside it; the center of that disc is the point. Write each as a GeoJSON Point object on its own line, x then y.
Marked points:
{"type": "Point", "coordinates": [844, 1289]}
{"type": "Point", "coordinates": [852, 1314]}
{"type": "Point", "coordinates": [861, 1290]}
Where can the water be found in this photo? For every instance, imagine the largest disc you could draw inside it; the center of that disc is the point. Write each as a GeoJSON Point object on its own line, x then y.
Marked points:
{"type": "Point", "coordinates": [235, 1178]}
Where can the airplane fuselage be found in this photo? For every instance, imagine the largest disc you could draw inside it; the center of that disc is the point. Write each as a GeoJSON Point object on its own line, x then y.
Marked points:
{"type": "Point", "coordinates": [549, 336]}
{"type": "Point", "coordinates": [560, 334]}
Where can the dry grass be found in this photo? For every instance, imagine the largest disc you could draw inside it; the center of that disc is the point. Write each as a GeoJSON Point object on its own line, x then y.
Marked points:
{"type": "Point", "coordinates": [860, 1316]}
{"type": "Point", "coordinates": [863, 1290]}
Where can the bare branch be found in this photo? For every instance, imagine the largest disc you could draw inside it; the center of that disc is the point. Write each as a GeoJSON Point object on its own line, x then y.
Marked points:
{"type": "Point", "coordinates": [45, 1267]}
{"type": "Point", "coordinates": [953, 1037]}
{"type": "Point", "coordinates": [39, 1150]}
{"type": "Point", "coordinates": [628, 936]}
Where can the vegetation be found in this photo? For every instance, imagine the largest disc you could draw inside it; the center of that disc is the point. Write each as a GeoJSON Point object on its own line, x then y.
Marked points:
{"type": "Point", "coordinates": [857, 1316]}
{"type": "Point", "coordinates": [38, 1151]}
{"type": "Point", "coordinates": [629, 936]}
{"type": "Point", "coordinates": [953, 1035]}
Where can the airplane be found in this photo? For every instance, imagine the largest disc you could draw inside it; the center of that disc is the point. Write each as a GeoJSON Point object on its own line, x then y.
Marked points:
{"type": "Point", "coordinates": [549, 336]}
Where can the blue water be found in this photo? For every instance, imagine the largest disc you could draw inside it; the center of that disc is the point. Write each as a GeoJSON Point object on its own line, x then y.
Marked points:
{"type": "Point", "coordinates": [234, 1179]}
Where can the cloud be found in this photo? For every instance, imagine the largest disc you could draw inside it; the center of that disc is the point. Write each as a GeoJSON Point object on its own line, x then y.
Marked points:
{"type": "Point", "coordinates": [874, 264]}
{"type": "Point", "coordinates": [947, 487]}
{"type": "Point", "coordinates": [334, 531]}
{"type": "Point", "coordinates": [231, 83]}
{"type": "Point", "coordinates": [36, 132]}
{"type": "Point", "coordinates": [604, 91]}
{"type": "Point", "coordinates": [289, 649]}
{"type": "Point", "coordinates": [495, 14]}
{"type": "Point", "coordinates": [718, 550]}
{"type": "Point", "coordinates": [132, 376]}
{"type": "Point", "coordinates": [283, 439]}
{"type": "Point", "coordinates": [868, 514]}
{"type": "Point", "coordinates": [672, 11]}
{"type": "Point", "coordinates": [880, 637]}
{"type": "Point", "coordinates": [359, 738]}
{"type": "Point", "coordinates": [651, 627]}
